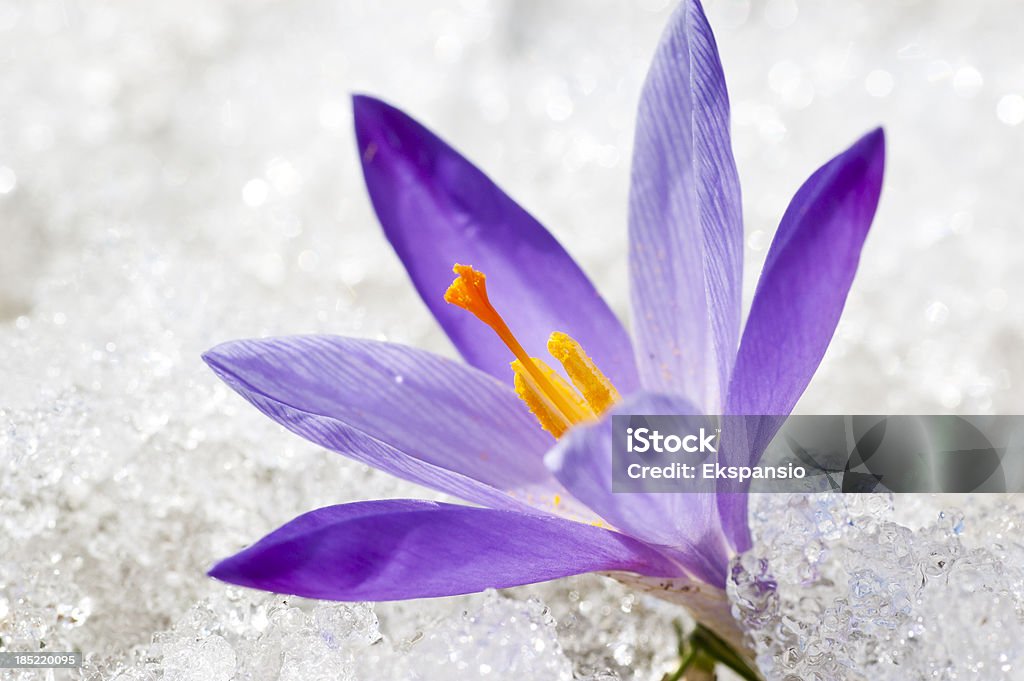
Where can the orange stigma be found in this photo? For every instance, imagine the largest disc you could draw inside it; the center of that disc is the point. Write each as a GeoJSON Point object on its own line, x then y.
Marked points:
{"type": "Point", "coordinates": [555, 403]}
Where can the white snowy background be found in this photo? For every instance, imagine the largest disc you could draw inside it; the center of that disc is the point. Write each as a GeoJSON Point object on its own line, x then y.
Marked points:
{"type": "Point", "coordinates": [173, 175]}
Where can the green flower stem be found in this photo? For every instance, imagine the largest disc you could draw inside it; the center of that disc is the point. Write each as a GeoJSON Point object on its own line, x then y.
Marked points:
{"type": "Point", "coordinates": [701, 651]}
{"type": "Point", "coordinates": [685, 663]}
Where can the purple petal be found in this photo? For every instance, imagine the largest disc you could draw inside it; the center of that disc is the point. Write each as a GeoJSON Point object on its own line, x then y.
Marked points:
{"type": "Point", "coordinates": [438, 209]}
{"type": "Point", "coordinates": [805, 280]}
{"type": "Point", "coordinates": [686, 522]}
{"type": "Point", "coordinates": [740, 445]}
{"type": "Point", "coordinates": [798, 301]}
{"type": "Point", "coordinates": [415, 415]}
{"type": "Point", "coordinates": [398, 549]}
{"type": "Point", "coordinates": [732, 513]}
{"type": "Point", "coordinates": [685, 219]}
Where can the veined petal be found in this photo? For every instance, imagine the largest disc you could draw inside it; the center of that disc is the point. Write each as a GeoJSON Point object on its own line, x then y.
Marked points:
{"type": "Point", "coordinates": [799, 298]}
{"type": "Point", "coordinates": [685, 523]}
{"type": "Point", "coordinates": [685, 219]}
{"type": "Point", "coordinates": [806, 278]}
{"type": "Point", "coordinates": [413, 414]}
{"type": "Point", "coordinates": [437, 209]}
{"type": "Point", "coordinates": [398, 549]}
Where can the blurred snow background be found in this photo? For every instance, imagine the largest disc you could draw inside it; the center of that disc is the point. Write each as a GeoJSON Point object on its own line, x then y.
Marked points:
{"type": "Point", "coordinates": [173, 175]}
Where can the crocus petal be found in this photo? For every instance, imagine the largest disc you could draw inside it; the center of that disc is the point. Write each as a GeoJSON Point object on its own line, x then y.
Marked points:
{"type": "Point", "coordinates": [805, 280]}
{"type": "Point", "coordinates": [798, 301]}
{"type": "Point", "coordinates": [437, 209]}
{"type": "Point", "coordinates": [685, 219]}
{"type": "Point", "coordinates": [687, 522]}
{"type": "Point", "coordinates": [398, 549]}
{"type": "Point", "coordinates": [732, 513]}
{"type": "Point", "coordinates": [413, 414]}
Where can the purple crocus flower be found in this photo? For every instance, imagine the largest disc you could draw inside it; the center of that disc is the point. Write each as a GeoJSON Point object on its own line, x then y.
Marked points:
{"type": "Point", "coordinates": [544, 509]}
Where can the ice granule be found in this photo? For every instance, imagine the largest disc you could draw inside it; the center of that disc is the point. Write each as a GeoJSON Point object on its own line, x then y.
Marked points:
{"type": "Point", "coordinates": [252, 636]}
{"type": "Point", "coordinates": [836, 588]}
{"type": "Point", "coordinates": [610, 632]}
{"type": "Point", "coordinates": [501, 638]}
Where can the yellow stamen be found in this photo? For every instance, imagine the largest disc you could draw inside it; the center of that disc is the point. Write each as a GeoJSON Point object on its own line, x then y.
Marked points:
{"type": "Point", "coordinates": [595, 387]}
{"type": "Point", "coordinates": [555, 404]}
{"type": "Point", "coordinates": [541, 401]}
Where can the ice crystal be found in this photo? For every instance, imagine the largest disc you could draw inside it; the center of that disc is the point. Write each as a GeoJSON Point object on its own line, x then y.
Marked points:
{"type": "Point", "coordinates": [837, 587]}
